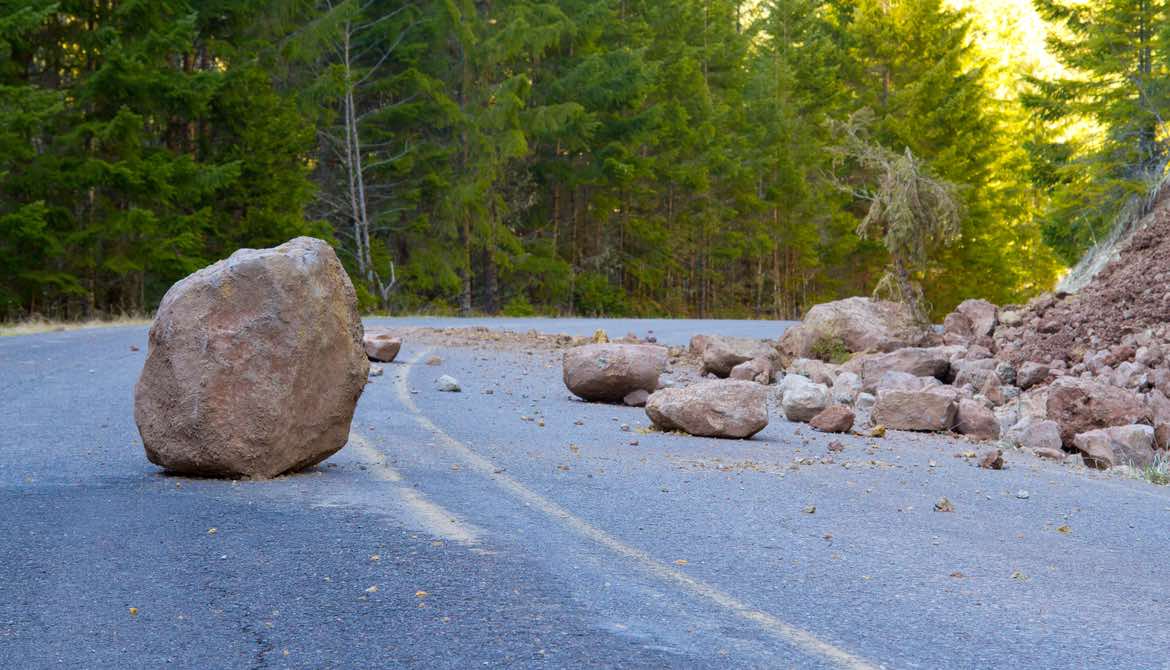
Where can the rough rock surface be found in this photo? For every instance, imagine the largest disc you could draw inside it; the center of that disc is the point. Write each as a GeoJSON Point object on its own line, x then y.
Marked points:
{"type": "Point", "coordinates": [817, 370]}
{"type": "Point", "coordinates": [721, 354]}
{"type": "Point", "coordinates": [1041, 435]}
{"type": "Point", "coordinates": [976, 421]}
{"type": "Point", "coordinates": [713, 408]}
{"type": "Point", "coordinates": [609, 372]}
{"type": "Point", "coordinates": [759, 370]}
{"type": "Point", "coordinates": [1081, 405]}
{"type": "Point", "coordinates": [833, 419]}
{"type": "Point", "coordinates": [981, 314]}
{"type": "Point", "coordinates": [255, 365]}
{"type": "Point", "coordinates": [904, 381]}
{"type": "Point", "coordinates": [381, 347]}
{"type": "Point", "coordinates": [1103, 448]}
{"type": "Point", "coordinates": [636, 398]}
{"type": "Point", "coordinates": [916, 361]}
{"type": "Point", "coordinates": [932, 409]}
{"type": "Point", "coordinates": [803, 399]}
{"type": "Point", "coordinates": [857, 324]}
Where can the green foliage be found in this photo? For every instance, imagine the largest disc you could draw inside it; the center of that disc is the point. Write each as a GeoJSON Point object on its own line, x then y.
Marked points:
{"type": "Point", "coordinates": [830, 349]}
{"type": "Point", "coordinates": [519, 306]}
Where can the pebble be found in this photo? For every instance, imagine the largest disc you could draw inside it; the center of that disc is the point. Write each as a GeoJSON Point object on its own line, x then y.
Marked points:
{"type": "Point", "coordinates": [1022, 494]}
{"type": "Point", "coordinates": [448, 384]}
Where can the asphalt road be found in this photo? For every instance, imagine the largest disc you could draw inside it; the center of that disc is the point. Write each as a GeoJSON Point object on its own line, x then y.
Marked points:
{"type": "Point", "coordinates": [457, 531]}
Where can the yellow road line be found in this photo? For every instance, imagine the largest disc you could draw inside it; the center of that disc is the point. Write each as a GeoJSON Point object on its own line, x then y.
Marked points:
{"type": "Point", "coordinates": [431, 517]}
{"type": "Point", "coordinates": [798, 637]}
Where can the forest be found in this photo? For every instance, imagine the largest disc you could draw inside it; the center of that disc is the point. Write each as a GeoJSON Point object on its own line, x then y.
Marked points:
{"type": "Point", "coordinates": [707, 158]}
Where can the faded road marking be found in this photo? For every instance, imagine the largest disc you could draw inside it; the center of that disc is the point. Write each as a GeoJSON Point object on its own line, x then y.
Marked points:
{"type": "Point", "coordinates": [432, 518]}
{"type": "Point", "coordinates": [798, 637]}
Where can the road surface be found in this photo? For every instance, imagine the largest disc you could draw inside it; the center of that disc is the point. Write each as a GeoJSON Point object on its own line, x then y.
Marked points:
{"type": "Point", "coordinates": [522, 528]}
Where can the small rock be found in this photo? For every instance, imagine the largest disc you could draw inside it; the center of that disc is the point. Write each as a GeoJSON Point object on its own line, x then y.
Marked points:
{"type": "Point", "coordinates": [636, 398]}
{"type": "Point", "coordinates": [834, 419]}
{"type": "Point", "coordinates": [376, 371]}
{"type": "Point", "coordinates": [992, 459]}
{"type": "Point", "coordinates": [434, 360]}
{"type": "Point", "coordinates": [625, 427]}
{"type": "Point", "coordinates": [1049, 453]}
{"type": "Point", "coordinates": [836, 446]}
{"type": "Point", "coordinates": [944, 505]}
{"type": "Point", "coordinates": [448, 384]}
{"type": "Point", "coordinates": [1022, 494]}
{"type": "Point", "coordinates": [381, 347]}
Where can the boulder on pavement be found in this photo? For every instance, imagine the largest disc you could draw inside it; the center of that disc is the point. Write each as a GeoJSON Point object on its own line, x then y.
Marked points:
{"type": "Point", "coordinates": [803, 399]}
{"type": "Point", "coordinates": [1041, 435]}
{"type": "Point", "coordinates": [712, 408]}
{"type": "Point", "coordinates": [381, 347]}
{"type": "Point", "coordinates": [855, 324]}
{"type": "Point", "coordinates": [916, 361]}
{"type": "Point", "coordinates": [833, 419]}
{"type": "Point", "coordinates": [447, 384]}
{"type": "Point", "coordinates": [1081, 405]}
{"type": "Point", "coordinates": [1104, 448]}
{"type": "Point", "coordinates": [636, 398]}
{"type": "Point", "coordinates": [255, 365]}
{"type": "Point", "coordinates": [757, 370]}
{"type": "Point", "coordinates": [976, 421]}
{"type": "Point", "coordinates": [610, 372]}
{"type": "Point", "coordinates": [932, 409]}
{"type": "Point", "coordinates": [721, 354]}
{"type": "Point", "coordinates": [846, 387]}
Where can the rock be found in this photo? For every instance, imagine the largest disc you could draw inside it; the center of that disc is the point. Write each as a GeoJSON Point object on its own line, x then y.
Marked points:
{"type": "Point", "coordinates": [757, 370]}
{"type": "Point", "coordinates": [991, 459]}
{"type": "Point", "coordinates": [1050, 454]}
{"type": "Point", "coordinates": [1031, 374]}
{"type": "Point", "coordinates": [959, 325]}
{"type": "Point", "coordinates": [714, 408]}
{"type": "Point", "coordinates": [1041, 435]}
{"type": "Point", "coordinates": [1103, 448]}
{"type": "Point", "coordinates": [376, 371]}
{"type": "Point", "coordinates": [977, 421]}
{"type": "Point", "coordinates": [1011, 318]}
{"type": "Point", "coordinates": [834, 419]}
{"type": "Point", "coordinates": [854, 324]}
{"type": "Point", "coordinates": [974, 372]}
{"type": "Point", "coordinates": [255, 365]}
{"type": "Point", "coordinates": [636, 398]}
{"type": "Point", "coordinates": [944, 505]}
{"type": "Point", "coordinates": [434, 360]}
{"type": "Point", "coordinates": [864, 402]}
{"type": "Point", "coordinates": [932, 409]}
{"type": "Point", "coordinates": [610, 372]}
{"type": "Point", "coordinates": [846, 387]}
{"type": "Point", "coordinates": [697, 344]}
{"type": "Point", "coordinates": [804, 399]}
{"type": "Point", "coordinates": [721, 354]}
{"type": "Point", "coordinates": [919, 362]}
{"type": "Point", "coordinates": [818, 371]}
{"type": "Point", "coordinates": [904, 381]}
{"type": "Point", "coordinates": [448, 384]}
{"type": "Point", "coordinates": [982, 315]}
{"type": "Point", "coordinates": [1081, 405]}
{"type": "Point", "coordinates": [381, 347]}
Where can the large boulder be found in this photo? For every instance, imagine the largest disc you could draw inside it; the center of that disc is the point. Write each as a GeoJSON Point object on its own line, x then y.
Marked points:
{"type": "Point", "coordinates": [1104, 448]}
{"type": "Point", "coordinates": [1080, 405]}
{"type": "Point", "coordinates": [817, 370]}
{"type": "Point", "coordinates": [920, 362]}
{"type": "Point", "coordinates": [609, 372]}
{"type": "Point", "coordinates": [931, 409]}
{"type": "Point", "coordinates": [854, 324]}
{"type": "Point", "coordinates": [803, 399]}
{"type": "Point", "coordinates": [904, 381]}
{"type": "Point", "coordinates": [721, 354]}
{"type": "Point", "coordinates": [713, 408]}
{"type": "Point", "coordinates": [255, 365]}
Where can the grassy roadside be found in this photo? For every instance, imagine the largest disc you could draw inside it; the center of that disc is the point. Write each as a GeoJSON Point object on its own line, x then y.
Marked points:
{"type": "Point", "coordinates": [34, 326]}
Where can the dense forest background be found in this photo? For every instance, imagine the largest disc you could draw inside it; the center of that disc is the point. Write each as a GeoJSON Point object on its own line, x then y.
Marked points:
{"type": "Point", "coordinates": [644, 157]}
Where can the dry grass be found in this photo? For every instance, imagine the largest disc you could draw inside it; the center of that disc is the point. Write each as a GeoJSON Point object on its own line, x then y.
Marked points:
{"type": "Point", "coordinates": [39, 325]}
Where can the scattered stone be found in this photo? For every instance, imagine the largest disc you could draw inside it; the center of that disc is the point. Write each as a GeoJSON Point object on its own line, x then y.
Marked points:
{"type": "Point", "coordinates": [834, 419]}
{"type": "Point", "coordinates": [944, 505]}
{"type": "Point", "coordinates": [636, 398]}
{"type": "Point", "coordinates": [929, 410]}
{"type": "Point", "coordinates": [878, 431]}
{"type": "Point", "coordinates": [721, 354]}
{"type": "Point", "coordinates": [610, 372]}
{"type": "Point", "coordinates": [846, 387]}
{"type": "Point", "coordinates": [976, 421]}
{"type": "Point", "coordinates": [1104, 448]}
{"type": "Point", "coordinates": [757, 370]}
{"type": "Point", "coordinates": [818, 371]}
{"type": "Point", "coordinates": [719, 408]}
{"type": "Point", "coordinates": [1031, 374]}
{"type": "Point", "coordinates": [1081, 405]}
{"type": "Point", "coordinates": [865, 402]}
{"type": "Point", "coordinates": [376, 371]}
{"type": "Point", "coordinates": [434, 360]}
{"type": "Point", "coordinates": [255, 365]}
{"type": "Point", "coordinates": [836, 446]}
{"type": "Point", "coordinates": [804, 399]}
{"type": "Point", "coordinates": [1042, 435]}
{"type": "Point", "coordinates": [447, 384]}
{"type": "Point", "coordinates": [992, 459]}
{"type": "Point", "coordinates": [1022, 494]}
{"type": "Point", "coordinates": [381, 347]}
{"type": "Point", "coordinates": [1050, 454]}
